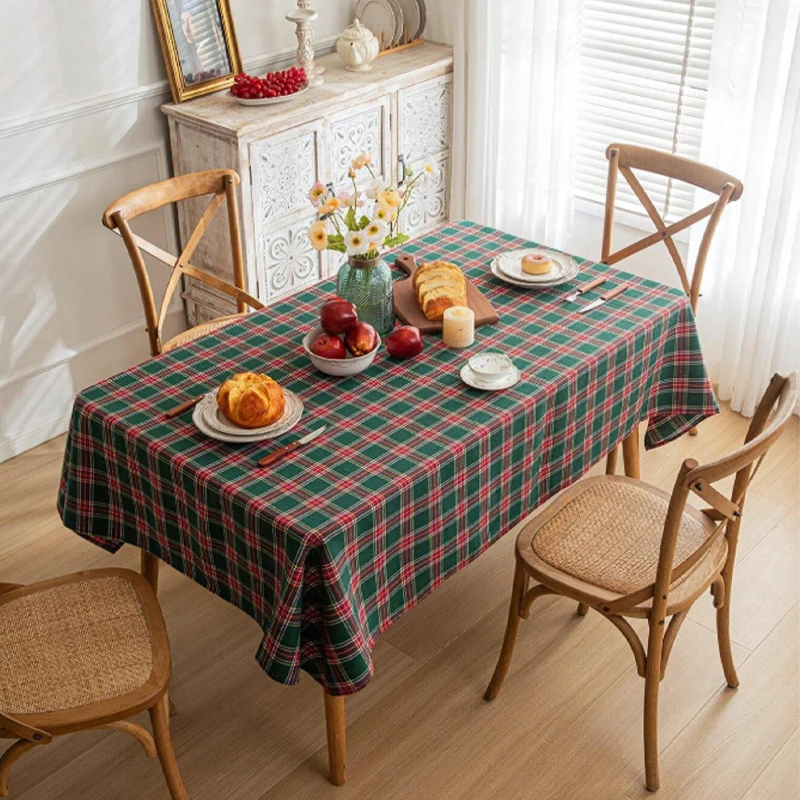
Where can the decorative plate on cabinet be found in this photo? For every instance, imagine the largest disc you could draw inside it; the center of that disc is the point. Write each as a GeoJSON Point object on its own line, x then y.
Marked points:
{"type": "Point", "coordinates": [382, 16]}
{"type": "Point", "coordinates": [411, 17]}
{"type": "Point", "coordinates": [423, 19]}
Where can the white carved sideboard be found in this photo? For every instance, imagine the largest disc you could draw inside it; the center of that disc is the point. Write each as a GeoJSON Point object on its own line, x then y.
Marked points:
{"type": "Point", "coordinates": [400, 111]}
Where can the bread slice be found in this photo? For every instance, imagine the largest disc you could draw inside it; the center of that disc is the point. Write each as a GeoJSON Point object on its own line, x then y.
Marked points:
{"type": "Point", "coordinates": [424, 271]}
{"type": "Point", "coordinates": [439, 285]}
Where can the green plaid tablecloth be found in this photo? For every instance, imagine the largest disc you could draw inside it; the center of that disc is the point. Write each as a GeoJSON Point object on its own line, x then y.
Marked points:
{"type": "Point", "coordinates": [417, 474]}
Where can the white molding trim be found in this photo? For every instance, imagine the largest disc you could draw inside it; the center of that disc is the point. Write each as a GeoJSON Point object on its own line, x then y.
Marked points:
{"type": "Point", "coordinates": [99, 103]}
{"type": "Point", "coordinates": [86, 167]}
{"type": "Point", "coordinates": [71, 353]}
{"type": "Point", "coordinates": [12, 444]}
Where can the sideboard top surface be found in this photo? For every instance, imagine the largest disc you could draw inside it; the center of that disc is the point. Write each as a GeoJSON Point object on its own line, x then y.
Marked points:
{"type": "Point", "coordinates": [221, 113]}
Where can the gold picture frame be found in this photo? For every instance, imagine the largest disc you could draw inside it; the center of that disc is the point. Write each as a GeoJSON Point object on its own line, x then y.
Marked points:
{"type": "Point", "coordinates": [199, 44]}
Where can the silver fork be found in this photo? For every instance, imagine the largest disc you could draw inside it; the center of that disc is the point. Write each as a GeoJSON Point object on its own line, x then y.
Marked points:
{"type": "Point", "coordinates": [587, 287]}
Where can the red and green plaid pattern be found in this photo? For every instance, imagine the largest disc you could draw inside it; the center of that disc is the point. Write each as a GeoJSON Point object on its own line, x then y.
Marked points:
{"type": "Point", "coordinates": [417, 473]}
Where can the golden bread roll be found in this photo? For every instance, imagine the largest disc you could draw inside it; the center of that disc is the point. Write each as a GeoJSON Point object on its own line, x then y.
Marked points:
{"type": "Point", "coordinates": [250, 400]}
{"type": "Point", "coordinates": [438, 286]}
{"type": "Point", "coordinates": [536, 264]}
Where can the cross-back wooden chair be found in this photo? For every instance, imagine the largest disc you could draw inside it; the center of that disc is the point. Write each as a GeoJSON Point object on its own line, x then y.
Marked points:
{"type": "Point", "coordinates": [627, 549]}
{"type": "Point", "coordinates": [221, 183]}
{"type": "Point", "coordinates": [81, 652]}
{"type": "Point", "coordinates": [624, 158]}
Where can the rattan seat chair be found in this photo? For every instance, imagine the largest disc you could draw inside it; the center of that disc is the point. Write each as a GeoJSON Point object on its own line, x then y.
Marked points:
{"type": "Point", "coordinates": [82, 652]}
{"type": "Point", "coordinates": [627, 549]}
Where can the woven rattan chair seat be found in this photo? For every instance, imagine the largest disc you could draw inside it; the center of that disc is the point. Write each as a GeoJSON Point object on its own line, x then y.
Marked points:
{"type": "Point", "coordinates": [72, 645]}
{"type": "Point", "coordinates": [606, 533]}
{"type": "Point", "coordinates": [199, 330]}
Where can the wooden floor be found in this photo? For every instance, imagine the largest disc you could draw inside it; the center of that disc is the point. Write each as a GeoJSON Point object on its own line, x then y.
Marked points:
{"type": "Point", "coordinates": [566, 725]}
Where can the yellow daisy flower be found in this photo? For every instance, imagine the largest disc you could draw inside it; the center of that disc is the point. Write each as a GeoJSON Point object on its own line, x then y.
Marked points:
{"type": "Point", "coordinates": [318, 234]}
{"type": "Point", "coordinates": [389, 197]}
{"type": "Point", "coordinates": [329, 206]}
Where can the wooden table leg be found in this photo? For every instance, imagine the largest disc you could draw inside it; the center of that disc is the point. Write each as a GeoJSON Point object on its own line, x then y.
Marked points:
{"type": "Point", "coordinates": [630, 453]}
{"type": "Point", "coordinates": [150, 569]}
{"type": "Point", "coordinates": [337, 746]}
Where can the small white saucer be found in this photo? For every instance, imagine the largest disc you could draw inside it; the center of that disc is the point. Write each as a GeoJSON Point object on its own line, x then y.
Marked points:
{"type": "Point", "coordinates": [471, 379]}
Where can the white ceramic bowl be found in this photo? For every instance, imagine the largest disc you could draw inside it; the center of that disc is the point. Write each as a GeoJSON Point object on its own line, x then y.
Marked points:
{"type": "Point", "coordinates": [491, 367]}
{"type": "Point", "coordinates": [338, 367]}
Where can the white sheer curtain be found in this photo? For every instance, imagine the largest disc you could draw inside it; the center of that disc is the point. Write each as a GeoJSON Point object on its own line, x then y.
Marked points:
{"type": "Point", "coordinates": [514, 111]}
{"type": "Point", "coordinates": [749, 316]}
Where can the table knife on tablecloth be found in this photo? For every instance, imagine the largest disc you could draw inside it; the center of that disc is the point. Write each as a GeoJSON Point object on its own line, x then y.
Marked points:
{"type": "Point", "coordinates": [587, 287]}
{"type": "Point", "coordinates": [602, 299]}
{"type": "Point", "coordinates": [282, 451]}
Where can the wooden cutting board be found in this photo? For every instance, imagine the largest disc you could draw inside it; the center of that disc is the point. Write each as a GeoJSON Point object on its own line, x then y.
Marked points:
{"type": "Point", "coordinates": [409, 312]}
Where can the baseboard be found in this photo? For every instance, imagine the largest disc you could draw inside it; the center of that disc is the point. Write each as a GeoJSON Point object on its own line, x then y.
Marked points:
{"type": "Point", "coordinates": [14, 444]}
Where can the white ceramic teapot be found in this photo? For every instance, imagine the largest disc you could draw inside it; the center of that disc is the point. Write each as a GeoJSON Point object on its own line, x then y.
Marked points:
{"type": "Point", "coordinates": [357, 47]}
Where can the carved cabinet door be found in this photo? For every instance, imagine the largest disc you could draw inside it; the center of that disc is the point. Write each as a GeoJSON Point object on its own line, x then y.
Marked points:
{"type": "Point", "coordinates": [360, 129]}
{"type": "Point", "coordinates": [283, 169]}
{"type": "Point", "coordinates": [424, 123]}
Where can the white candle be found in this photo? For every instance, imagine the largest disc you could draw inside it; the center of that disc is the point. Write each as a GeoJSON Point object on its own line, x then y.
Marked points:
{"type": "Point", "coordinates": [459, 326]}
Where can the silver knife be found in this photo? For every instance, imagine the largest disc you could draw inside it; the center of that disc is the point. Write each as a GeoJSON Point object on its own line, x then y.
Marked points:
{"type": "Point", "coordinates": [587, 287]}
{"type": "Point", "coordinates": [602, 299]}
{"type": "Point", "coordinates": [282, 451]}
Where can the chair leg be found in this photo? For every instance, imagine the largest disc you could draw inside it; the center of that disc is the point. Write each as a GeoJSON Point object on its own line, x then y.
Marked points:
{"type": "Point", "coordinates": [724, 640]}
{"type": "Point", "coordinates": [14, 753]}
{"type": "Point", "coordinates": [150, 569]}
{"type": "Point", "coordinates": [611, 461]}
{"type": "Point", "coordinates": [583, 609]}
{"type": "Point", "coordinates": [159, 717]}
{"type": "Point", "coordinates": [652, 681]}
{"type": "Point", "coordinates": [337, 742]}
{"type": "Point", "coordinates": [510, 639]}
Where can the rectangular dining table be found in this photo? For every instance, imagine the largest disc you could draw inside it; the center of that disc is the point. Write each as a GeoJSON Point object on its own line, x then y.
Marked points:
{"type": "Point", "coordinates": [416, 475]}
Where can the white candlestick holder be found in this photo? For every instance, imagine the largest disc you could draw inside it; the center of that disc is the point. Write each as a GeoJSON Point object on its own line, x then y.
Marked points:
{"type": "Point", "coordinates": [302, 17]}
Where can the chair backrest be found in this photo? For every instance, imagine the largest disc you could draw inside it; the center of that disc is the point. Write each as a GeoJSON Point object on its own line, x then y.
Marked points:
{"type": "Point", "coordinates": [221, 183]}
{"type": "Point", "coordinates": [762, 433]}
{"type": "Point", "coordinates": [625, 158]}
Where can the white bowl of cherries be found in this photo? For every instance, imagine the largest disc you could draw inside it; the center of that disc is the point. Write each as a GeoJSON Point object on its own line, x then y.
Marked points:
{"type": "Point", "coordinates": [274, 87]}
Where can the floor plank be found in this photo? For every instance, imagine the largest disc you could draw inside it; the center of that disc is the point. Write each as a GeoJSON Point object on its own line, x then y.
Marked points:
{"type": "Point", "coordinates": [780, 780]}
{"type": "Point", "coordinates": [727, 745]}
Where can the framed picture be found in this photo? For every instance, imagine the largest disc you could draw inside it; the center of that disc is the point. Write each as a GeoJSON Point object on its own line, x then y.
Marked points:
{"type": "Point", "coordinates": [199, 45]}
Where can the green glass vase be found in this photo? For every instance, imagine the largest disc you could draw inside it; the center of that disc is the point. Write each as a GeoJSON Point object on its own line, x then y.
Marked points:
{"type": "Point", "coordinates": [367, 283]}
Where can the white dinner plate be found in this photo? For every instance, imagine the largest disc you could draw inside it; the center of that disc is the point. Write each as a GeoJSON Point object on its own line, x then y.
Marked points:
{"type": "Point", "coordinates": [510, 264]}
{"type": "Point", "coordinates": [200, 418]}
{"type": "Point", "coordinates": [215, 419]}
{"type": "Point", "coordinates": [567, 269]}
{"type": "Point", "coordinates": [268, 101]}
{"type": "Point", "coordinates": [476, 382]}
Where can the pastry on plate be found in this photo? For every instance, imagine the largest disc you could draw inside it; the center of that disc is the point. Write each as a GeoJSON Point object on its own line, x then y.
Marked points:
{"type": "Point", "coordinates": [536, 264]}
{"type": "Point", "coordinates": [251, 400]}
{"type": "Point", "coordinates": [439, 285]}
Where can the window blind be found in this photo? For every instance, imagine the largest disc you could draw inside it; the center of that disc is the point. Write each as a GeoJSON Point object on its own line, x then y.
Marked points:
{"type": "Point", "coordinates": [643, 80]}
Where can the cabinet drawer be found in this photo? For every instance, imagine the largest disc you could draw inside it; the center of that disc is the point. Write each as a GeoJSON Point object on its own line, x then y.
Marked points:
{"type": "Point", "coordinates": [424, 119]}
{"type": "Point", "coordinates": [430, 201]}
{"type": "Point", "coordinates": [283, 169]}
{"type": "Point", "coordinates": [355, 131]}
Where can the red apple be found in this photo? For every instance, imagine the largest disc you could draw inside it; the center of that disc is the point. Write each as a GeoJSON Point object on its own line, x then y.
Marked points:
{"type": "Point", "coordinates": [328, 346]}
{"type": "Point", "coordinates": [361, 339]}
{"type": "Point", "coordinates": [337, 316]}
{"type": "Point", "coordinates": [405, 342]}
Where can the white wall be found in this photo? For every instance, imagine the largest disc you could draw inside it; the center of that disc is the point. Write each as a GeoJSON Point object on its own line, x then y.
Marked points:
{"type": "Point", "coordinates": [80, 126]}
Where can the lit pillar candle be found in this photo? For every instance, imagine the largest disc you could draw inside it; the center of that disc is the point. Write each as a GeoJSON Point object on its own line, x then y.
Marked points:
{"type": "Point", "coordinates": [459, 326]}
